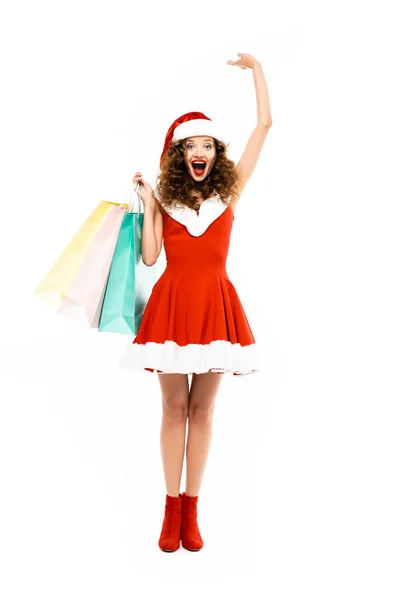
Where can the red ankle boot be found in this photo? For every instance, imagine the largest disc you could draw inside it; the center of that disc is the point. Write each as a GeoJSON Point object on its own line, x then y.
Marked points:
{"type": "Point", "coordinates": [171, 528]}
{"type": "Point", "coordinates": [191, 538]}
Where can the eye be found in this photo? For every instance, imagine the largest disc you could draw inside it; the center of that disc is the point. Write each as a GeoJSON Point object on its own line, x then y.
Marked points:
{"type": "Point", "coordinates": [191, 146]}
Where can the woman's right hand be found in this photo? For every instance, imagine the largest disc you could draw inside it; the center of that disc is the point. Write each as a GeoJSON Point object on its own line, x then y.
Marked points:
{"type": "Point", "coordinates": [146, 189]}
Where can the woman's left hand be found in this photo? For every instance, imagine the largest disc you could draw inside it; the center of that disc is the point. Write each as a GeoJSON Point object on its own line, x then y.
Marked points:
{"type": "Point", "coordinates": [246, 61]}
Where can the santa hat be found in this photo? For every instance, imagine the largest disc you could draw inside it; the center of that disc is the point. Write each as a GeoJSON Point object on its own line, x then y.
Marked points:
{"type": "Point", "coordinates": [190, 125]}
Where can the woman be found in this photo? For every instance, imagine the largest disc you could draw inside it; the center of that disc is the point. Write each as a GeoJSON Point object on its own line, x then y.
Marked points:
{"type": "Point", "coordinates": [194, 323]}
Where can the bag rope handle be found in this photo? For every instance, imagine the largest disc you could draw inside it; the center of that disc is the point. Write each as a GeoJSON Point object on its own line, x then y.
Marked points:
{"type": "Point", "coordinates": [138, 190]}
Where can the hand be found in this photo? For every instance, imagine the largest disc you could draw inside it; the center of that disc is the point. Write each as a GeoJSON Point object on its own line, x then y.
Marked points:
{"type": "Point", "coordinates": [146, 189]}
{"type": "Point", "coordinates": [246, 61]}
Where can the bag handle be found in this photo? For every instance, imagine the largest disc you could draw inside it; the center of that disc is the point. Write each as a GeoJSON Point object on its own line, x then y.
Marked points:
{"type": "Point", "coordinates": [138, 190]}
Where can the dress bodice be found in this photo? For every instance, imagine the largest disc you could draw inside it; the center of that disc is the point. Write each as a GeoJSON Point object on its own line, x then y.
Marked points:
{"type": "Point", "coordinates": [197, 222]}
{"type": "Point", "coordinates": [200, 243]}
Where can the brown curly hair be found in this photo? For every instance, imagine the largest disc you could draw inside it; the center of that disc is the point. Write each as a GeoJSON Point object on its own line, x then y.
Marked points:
{"type": "Point", "coordinates": [174, 183]}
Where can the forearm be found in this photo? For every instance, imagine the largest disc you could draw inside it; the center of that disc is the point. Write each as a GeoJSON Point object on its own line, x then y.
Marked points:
{"type": "Point", "coordinates": [149, 240]}
{"type": "Point", "coordinates": [262, 97]}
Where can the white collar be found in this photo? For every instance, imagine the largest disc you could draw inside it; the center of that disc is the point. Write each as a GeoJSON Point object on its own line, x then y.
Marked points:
{"type": "Point", "coordinates": [210, 209]}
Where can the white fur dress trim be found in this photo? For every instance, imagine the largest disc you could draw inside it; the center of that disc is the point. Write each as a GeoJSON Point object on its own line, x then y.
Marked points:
{"type": "Point", "coordinates": [220, 356]}
{"type": "Point", "coordinates": [196, 224]}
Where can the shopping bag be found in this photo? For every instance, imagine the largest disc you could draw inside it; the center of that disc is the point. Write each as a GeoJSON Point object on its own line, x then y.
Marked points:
{"type": "Point", "coordinates": [130, 281]}
{"type": "Point", "coordinates": [84, 298]}
{"type": "Point", "coordinates": [54, 287]}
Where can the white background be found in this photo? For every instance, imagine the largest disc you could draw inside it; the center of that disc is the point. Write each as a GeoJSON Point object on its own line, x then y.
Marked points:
{"type": "Point", "coordinates": [301, 492]}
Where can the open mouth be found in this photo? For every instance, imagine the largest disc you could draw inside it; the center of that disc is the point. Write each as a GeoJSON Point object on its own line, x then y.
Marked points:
{"type": "Point", "coordinates": [199, 166]}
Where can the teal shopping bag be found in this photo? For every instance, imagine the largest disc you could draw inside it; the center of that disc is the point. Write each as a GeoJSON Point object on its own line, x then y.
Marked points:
{"type": "Point", "coordinates": [130, 281]}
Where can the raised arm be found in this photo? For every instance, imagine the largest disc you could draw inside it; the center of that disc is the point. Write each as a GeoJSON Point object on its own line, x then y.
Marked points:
{"type": "Point", "coordinates": [256, 140]}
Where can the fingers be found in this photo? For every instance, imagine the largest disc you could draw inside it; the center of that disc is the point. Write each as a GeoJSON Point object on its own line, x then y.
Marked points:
{"type": "Point", "coordinates": [241, 62]}
{"type": "Point", "coordinates": [137, 177]}
{"type": "Point", "coordinates": [237, 63]}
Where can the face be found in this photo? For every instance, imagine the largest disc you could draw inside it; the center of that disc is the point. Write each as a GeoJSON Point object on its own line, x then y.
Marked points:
{"type": "Point", "coordinates": [202, 149]}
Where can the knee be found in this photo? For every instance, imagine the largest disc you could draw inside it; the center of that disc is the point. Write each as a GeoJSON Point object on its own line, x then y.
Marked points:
{"type": "Point", "coordinates": [200, 414]}
{"type": "Point", "coordinates": [175, 409]}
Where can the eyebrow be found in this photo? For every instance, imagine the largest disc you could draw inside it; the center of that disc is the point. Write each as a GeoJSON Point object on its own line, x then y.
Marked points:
{"type": "Point", "coordinates": [206, 140]}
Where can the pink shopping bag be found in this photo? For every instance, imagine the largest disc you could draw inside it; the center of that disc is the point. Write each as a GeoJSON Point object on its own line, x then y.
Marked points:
{"type": "Point", "coordinates": [84, 298]}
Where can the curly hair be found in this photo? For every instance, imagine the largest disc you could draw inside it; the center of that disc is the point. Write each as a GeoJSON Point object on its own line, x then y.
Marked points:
{"type": "Point", "coordinates": [174, 183]}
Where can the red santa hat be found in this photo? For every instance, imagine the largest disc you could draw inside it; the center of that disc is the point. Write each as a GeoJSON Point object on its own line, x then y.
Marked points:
{"type": "Point", "coordinates": [190, 125]}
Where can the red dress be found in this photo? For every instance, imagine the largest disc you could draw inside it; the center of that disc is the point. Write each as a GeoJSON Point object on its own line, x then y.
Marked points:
{"type": "Point", "coordinates": [193, 321]}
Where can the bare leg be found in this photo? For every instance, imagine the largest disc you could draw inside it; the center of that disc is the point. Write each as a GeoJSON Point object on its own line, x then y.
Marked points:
{"type": "Point", "coordinates": [175, 400]}
{"type": "Point", "coordinates": [202, 396]}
